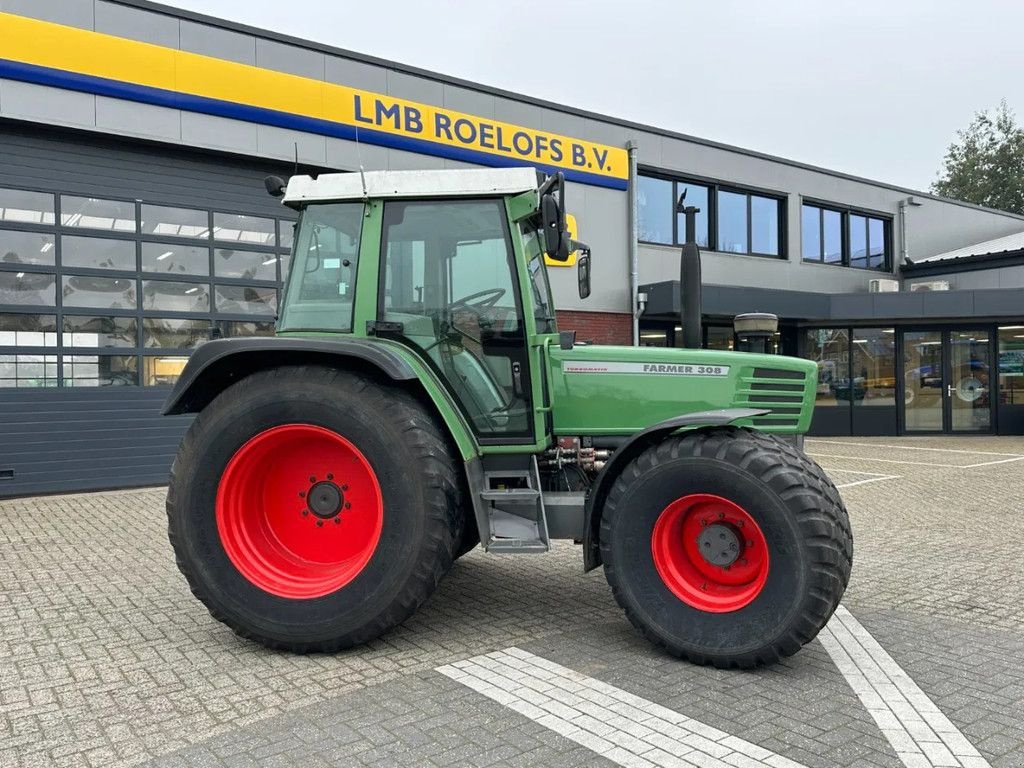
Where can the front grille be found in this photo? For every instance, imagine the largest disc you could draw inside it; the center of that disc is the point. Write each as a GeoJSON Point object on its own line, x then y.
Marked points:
{"type": "Point", "coordinates": [779, 391]}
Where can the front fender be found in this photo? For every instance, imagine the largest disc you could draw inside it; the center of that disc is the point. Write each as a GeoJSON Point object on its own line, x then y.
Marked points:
{"type": "Point", "coordinates": [633, 447]}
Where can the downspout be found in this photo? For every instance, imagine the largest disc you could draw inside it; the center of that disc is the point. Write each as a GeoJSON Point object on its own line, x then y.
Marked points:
{"type": "Point", "coordinates": [903, 233]}
{"type": "Point", "coordinates": [632, 234]}
{"type": "Point", "coordinates": [904, 248]}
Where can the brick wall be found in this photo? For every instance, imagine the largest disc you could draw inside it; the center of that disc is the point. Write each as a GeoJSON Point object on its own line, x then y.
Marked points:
{"type": "Point", "coordinates": [597, 327]}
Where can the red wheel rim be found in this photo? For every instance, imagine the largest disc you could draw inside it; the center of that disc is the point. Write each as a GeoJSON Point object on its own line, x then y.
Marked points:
{"type": "Point", "coordinates": [700, 526]}
{"type": "Point", "coordinates": [299, 511]}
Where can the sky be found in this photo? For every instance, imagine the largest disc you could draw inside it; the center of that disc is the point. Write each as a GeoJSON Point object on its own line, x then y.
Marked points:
{"type": "Point", "coordinates": [876, 89]}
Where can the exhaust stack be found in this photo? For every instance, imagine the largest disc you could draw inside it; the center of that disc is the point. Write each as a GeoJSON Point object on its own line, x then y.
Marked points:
{"type": "Point", "coordinates": [689, 279]}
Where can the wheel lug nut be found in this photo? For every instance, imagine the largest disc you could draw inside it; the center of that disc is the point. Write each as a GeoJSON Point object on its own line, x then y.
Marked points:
{"type": "Point", "coordinates": [330, 476]}
{"type": "Point", "coordinates": [337, 521]}
{"type": "Point", "coordinates": [344, 487]}
{"type": "Point", "coordinates": [305, 513]}
{"type": "Point", "coordinates": [750, 543]}
{"type": "Point", "coordinates": [348, 505]}
{"type": "Point", "coordinates": [721, 515]}
{"type": "Point", "coordinates": [302, 494]}
{"type": "Point", "coordinates": [312, 479]}
{"type": "Point", "coordinates": [319, 523]}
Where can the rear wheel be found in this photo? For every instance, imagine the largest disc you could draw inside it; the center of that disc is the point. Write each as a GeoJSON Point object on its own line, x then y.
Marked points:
{"type": "Point", "coordinates": [726, 546]}
{"type": "Point", "coordinates": [312, 509]}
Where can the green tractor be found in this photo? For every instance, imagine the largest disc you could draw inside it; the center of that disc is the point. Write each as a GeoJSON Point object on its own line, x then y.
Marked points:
{"type": "Point", "coordinates": [418, 401]}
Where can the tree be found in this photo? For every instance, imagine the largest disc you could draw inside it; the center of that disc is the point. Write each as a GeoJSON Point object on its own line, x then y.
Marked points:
{"type": "Point", "coordinates": [985, 165]}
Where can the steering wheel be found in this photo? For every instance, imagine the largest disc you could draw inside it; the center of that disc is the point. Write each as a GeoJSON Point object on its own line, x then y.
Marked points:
{"type": "Point", "coordinates": [484, 299]}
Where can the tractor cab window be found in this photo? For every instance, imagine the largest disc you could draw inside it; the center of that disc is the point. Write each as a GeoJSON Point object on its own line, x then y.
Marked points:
{"type": "Point", "coordinates": [321, 285]}
{"type": "Point", "coordinates": [543, 306]}
{"type": "Point", "coordinates": [448, 277]}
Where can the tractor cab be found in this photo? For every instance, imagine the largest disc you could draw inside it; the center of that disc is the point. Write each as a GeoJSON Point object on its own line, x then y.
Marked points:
{"type": "Point", "coordinates": [458, 278]}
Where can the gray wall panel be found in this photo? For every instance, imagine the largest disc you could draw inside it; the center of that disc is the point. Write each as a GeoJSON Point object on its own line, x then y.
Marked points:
{"type": "Point", "coordinates": [219, 133]}
{"type": "Point", "coordinates": [415, 88]}
{"type": "Point", "coordinates": [355, 74]}
{"type": "Point", "coordinates": [41, 104]}
{"type": "Point", "coordinates": [219, 43]}
{"type": "Point", "coordinates": [348, 156]}
{"type": "Point", "coordinates": [141, 120]}
{"type": "Point", "coordinates": [289, 58]}
{"type": "Point", "coordinates": [282, 143]}
{"type": "Point", "coordinates": [136, 24]}
{"type": "Point", "coordinates": [399, 160]}
{"type": "Point", "coordinates": [471, 102]}
{"type": "Point", "coordinates": [71, 13]}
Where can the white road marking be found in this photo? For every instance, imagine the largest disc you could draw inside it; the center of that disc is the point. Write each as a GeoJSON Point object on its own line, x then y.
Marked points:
{"type": "Point", "coordinates": [911, 447]}
{"type": "Point", "coordinates": [886, 461]}
{"type": "Point", "coordinates": [873, 477]}
{"type": "Point", "coordinates": [869, 480]}
{"type": "Point", "coordinates": [990, 463]}
{"type": "Point", "coordinates": [919, 733]}
{"type": "Point", "coordinates": [915, 463]}
{"type": "Point", "coordinates": [857, 472]}
{"type": "Point", "coordinates": [623, 728]}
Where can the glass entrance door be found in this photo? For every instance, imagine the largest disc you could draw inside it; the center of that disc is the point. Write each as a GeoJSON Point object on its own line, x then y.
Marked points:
{"type": "Point", "coordinates": [946, 385]}
{"type": "Point", "coordinates": [922, 381]}
{"type": "Point", "coordinates": [968, 390]}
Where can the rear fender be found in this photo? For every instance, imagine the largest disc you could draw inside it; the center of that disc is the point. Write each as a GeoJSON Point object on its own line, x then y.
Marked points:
{"type": "Point", "coordinates": [216, 365]}
{"type": "Point", "coordinates": [632, 448]}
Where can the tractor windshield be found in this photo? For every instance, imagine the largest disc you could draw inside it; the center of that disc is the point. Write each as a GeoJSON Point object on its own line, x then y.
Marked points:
{"type": "Point", "coordinates": [320, 294]}
{"type": "Point", "coordinates": [543, 307]}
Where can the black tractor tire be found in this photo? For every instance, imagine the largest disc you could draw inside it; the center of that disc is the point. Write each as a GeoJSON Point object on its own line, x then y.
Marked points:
{"type": "Point", "coordinates": [418, 505]}
{"type": "Point", "coordinates": [799, 515]}
{"type": "Point", "coordinates": [469, 539]}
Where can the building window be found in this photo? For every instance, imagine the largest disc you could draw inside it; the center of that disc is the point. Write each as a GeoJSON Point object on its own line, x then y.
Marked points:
{"type": "Point", "coordinates": [1011, 365]}
{"type": "Point", "coordinates": [98, 332]}
{"type": "Point", "coordinates": [17, 330]}
{"type": "Point", "coordinates": [873, 379]}
{"type": "Point", "coordinates": [655, 208]}
{"type": "Point", "coordinates": [830, 349]}
{"type": "Point", "coordinates": [175, 259]}
{"type": "Point", "coordinates": [864, 246]}
{"type": "Point", "coordinates": [730, 220]}
{"type": "Point", "coordinates": [31, 248]}
{"type": "Point", "coordinates": [22, 207]}
{"type": "Point", "coordinates": [97, 253]}
{"type": "Point", "coordinates": [94, 213]}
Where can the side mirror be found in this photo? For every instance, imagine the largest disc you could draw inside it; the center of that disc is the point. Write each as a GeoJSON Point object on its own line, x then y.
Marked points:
{"type": "Point", "coordinates": [583, 273]}
{"type": "Point", "coordinates": [275, 186]}
{"type": "Point", "coordinates": [556, 237]}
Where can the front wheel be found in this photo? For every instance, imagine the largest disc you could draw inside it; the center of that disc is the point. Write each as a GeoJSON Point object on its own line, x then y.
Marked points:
{"type": "Point", "coordinates": [726, 546]}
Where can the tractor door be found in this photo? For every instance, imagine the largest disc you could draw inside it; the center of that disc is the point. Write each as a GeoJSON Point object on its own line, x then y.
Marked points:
{"type": "Point", "coordinates": [449, 285]}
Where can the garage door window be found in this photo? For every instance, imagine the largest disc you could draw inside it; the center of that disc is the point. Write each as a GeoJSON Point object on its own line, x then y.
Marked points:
{"type": "Point", "coordinates": [97, 291]}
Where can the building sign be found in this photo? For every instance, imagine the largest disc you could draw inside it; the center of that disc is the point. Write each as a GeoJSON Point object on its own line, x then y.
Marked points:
{"type": "Point", "coordinates": [75, 59]}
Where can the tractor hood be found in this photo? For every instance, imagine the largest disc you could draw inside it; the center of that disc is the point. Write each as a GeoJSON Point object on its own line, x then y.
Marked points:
{"type": "Point", "coordinates": [599, 390]}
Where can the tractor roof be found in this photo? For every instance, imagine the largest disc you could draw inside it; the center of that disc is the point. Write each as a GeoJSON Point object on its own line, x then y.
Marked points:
{"type": "Point", "coordinates": [398, 184]}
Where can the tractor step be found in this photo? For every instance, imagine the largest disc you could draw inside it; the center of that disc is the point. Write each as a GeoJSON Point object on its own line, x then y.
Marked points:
{"type": "Point", "coordinates": [510, 494]}
{"type": "Point", "coordinates": [514, 508]}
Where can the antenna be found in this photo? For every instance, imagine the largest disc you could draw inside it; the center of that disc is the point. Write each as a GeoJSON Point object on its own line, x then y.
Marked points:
{"type": "Point", "coordinates": [362, 173]}
{"type": "Point", "coordinates": [296, 172]}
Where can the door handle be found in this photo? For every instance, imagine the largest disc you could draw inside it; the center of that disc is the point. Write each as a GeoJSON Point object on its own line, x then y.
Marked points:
{"type": "Point", "coordinates": [950, 389]}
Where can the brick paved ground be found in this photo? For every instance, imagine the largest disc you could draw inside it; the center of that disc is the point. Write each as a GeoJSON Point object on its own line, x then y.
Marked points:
{"type": "Point", "coordinates": [106, 659]}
